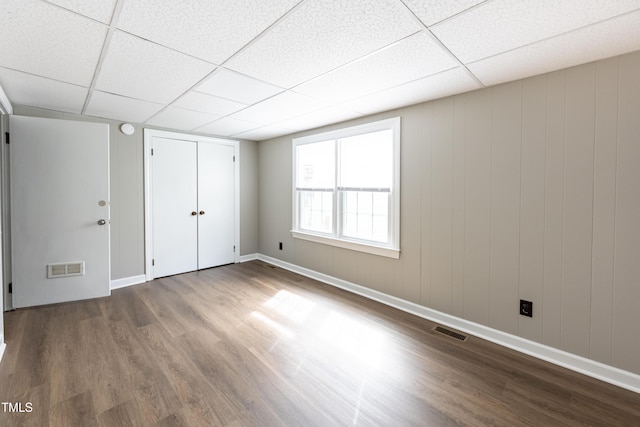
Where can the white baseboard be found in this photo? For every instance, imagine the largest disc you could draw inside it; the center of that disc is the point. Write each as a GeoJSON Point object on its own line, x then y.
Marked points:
{"type": "Point", "coordinates": [127, 281]}
{"type": "Point", "coordinates": [610, 374]}
{"type": "Point", "coordinates": [246, 258]}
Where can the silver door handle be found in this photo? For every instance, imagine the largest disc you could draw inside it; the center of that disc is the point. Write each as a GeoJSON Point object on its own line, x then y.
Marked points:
{"type": "Point", "coordinates": [101, 222]}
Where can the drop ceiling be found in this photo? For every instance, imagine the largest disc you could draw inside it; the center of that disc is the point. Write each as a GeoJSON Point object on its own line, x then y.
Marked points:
{"type": "Point", "coordinates": [258, 69]}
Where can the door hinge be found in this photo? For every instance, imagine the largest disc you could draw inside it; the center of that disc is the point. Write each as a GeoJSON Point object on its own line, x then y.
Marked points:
{"type": "Point", "coordinates": [6, 137]}
{"type": "Point", "coordinates": [152, 151]}
{"type": "Point", "coordinates": [153, 262]}
{"type": "Point", "coordinates": [234, 248]}
{"type": "Point", "coordinates": [10, 288]}
{"type": "Point", "coordinates": [234, 159]}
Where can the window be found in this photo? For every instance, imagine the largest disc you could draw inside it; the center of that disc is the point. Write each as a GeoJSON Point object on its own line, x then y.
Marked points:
{"type": "Point", "coordinates": [346, 188]}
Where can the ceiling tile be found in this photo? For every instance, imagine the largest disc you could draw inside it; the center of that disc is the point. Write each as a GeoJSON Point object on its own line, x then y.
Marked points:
{"type": "Point", "coordinates": [321, 35]}
{"type": "Point", "coordinates": [210, 30]}
{"type": "Point", "coordinates": [140, 69]}
{"type": "Point", "coordinates": [432, 87]}
{"type": "Point", "coordinates": [265, 132]}
{"type": "Point", "coordinates": [433, 11]}
{"type": "Point", "coordinates": [208, 104]}
{"type": "Point", "coordinates": [610, 38]}
{"type": "Point", "coordinates": [410, 59]}
{"type": "Point", "coordinates": [117, 107]}
{"type": "Point", "coordinates": [42, 39]}
{"type": "Point", "coordinates": [280, 107]}
{"type": "Point", "coordinates": [101, 10]}
{"type": "Point", "coordinates": [228, 126]}
{"type": "Point", "coordinates": [178, 118]}
{"type": "Point", "coordinates": [236, 87]}
{"type": "Point", "coordinates": [35, 91]}
{"type": "Point", "coordinates": [326, 116]}
{"type": "Point", "coordinates": [500, 25]}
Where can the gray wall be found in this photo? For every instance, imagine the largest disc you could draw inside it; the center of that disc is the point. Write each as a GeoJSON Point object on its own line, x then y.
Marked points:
{"type": "Point", "coordinates": [127, 194]}
{"type": "Point", "coordinates": [528, 190]}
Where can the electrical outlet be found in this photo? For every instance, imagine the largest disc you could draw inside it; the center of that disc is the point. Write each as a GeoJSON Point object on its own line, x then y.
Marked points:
{"type": "Point", "coordinates": [280, 245]}
{"type": "Point", "coordinates": [526, 308]}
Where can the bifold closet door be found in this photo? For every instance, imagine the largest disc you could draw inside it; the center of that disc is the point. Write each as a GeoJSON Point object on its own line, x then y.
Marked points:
{"type": "Point", "coordinates": [216, 204]}
{"type": "Point", "coordinates": [175, 206]}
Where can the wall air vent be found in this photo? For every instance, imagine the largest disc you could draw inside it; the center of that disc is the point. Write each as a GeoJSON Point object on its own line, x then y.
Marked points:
{"type": "Point", "coordinates": [450, 333]}
{"type": "Point", "coordinates": [65, 269]}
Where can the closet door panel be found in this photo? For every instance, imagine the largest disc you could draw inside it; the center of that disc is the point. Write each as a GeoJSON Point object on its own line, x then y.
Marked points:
{"type": "Point", "coordinates": [216, 204]}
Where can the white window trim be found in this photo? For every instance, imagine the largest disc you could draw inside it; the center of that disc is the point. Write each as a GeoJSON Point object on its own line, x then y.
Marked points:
{"type": "Point", "coordinates": [391, 250]}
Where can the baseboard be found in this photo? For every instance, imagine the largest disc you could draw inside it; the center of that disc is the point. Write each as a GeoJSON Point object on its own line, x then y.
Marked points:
{"type": "Point", "coordinates": [246, 258]}
{"type": "Point", "coordinates": [601, 371]}
{"type": "Point", "coordinates": [127, 281]}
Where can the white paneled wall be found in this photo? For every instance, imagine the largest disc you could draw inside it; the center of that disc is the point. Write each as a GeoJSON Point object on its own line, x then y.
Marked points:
{"type": "Point", "coordinates": [528, 190]}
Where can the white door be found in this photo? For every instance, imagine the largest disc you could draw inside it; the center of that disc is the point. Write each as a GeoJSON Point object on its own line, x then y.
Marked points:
{"type": "Point", "coordinates": [59, 180]}
{"type": "Point", "coordinates": [175, 206]}
{"type": "Point", "coordinates": [216, 204]}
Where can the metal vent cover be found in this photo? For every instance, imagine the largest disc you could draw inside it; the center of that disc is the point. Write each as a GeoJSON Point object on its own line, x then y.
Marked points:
{"type": "Point", "coordinates": [65, 269]}
{"type": "Point", "coordinates": [450, 333]}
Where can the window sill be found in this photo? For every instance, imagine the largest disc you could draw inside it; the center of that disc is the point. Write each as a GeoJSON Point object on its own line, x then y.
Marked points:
{"type": "Point", "coordinates": [346, 244]}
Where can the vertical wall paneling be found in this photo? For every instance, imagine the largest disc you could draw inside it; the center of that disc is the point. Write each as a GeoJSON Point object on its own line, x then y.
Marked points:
{"type": "Point", "coordinates": [505, 206]}
{"type": "Point", "coordinates": [477, 207]}
{"type": "Point", "coordinates": [534, 128]}
{"type": "Point", "coordinates": [442, 204]}
{"type": "Point", "coordinates": [426, 167]}
{"type": "Point", "coordinates": [578, 209]}
{"type": "Point", "coordinates": [459, 155]}
{"type": "Point", "coordinates": [553, 210]}
{"type": "Point", "coordinates": [626, 316]}
{"type": "Point", "coordinates": [604, 201]}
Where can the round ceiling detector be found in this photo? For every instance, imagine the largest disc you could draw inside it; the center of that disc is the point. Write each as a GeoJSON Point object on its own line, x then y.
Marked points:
{"type": "Point", "coordinates": [127, 128]}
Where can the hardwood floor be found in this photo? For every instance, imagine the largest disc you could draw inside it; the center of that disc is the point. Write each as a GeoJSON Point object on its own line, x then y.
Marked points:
{"type": "Point", "coordinates": [246, 344]}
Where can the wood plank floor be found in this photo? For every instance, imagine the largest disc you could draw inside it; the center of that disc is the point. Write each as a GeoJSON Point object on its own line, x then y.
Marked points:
{"type": "Point", "coordinates": [246, 345]}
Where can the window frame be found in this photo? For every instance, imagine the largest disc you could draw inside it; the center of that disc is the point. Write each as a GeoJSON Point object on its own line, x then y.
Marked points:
{"type": "Point", "coordinates": [390, 249]}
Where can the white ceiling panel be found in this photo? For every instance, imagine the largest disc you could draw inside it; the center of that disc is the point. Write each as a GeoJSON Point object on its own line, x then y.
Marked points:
{"type": "Point", "coordinates": [140, 69]}
{"type": "Point", "coordinates": [179, 118]}
{"type": "Point", "coordinates": [437, 86]}
{"type": "Point", "coordinates": [610, 38]}
{"type": "Point", "coordinates": [101, 10]}
{"type": "Point", "coordinates": [265, 132]}
{"type": "Point", "coordinates": [208, 104]}
{"type": "Point", "coordinates": [35, 91]}
{"type": "Point", "coordinates": [410, 59]}
{"type": "Point", "coordinates": [110, 106]}
{"type": "Point", "coordinates": [43, 39]}
{"type": "Point", "coordinates": [210, 30]}
{"type": "Point", "coordinates": [329, 115]}
{"type": "Point", "coordinates": [228, 126]}
{"type": "Point", "coordinates": [501, 25]}
{"type": "Point", "coordinates": [280, 107]}
{"type": "Point", "coordinates": [321, 35]}
{"type": "Point", "coordinates": [236, 87]}
{"type": "Point", "coordinates": [434, 11]}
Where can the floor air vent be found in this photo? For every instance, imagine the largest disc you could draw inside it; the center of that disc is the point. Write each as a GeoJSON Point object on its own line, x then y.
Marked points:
{"type": "Point", "coordinates": [270, 266]}
{"type": "Point", "coordinates": [450, 333]}
{"type": "Point", "coordinates": [65, 269]}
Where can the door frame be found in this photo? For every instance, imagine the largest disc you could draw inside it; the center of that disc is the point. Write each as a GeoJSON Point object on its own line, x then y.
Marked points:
{"type": "Point", "coordinates": [149, 134]}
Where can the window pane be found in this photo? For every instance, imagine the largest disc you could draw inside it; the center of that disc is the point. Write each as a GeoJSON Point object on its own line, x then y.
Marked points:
{"type": "Point", "coordinates": [316, 165]}
{"type": "Point", "coordinates": [316, 211]}
{"type": "Point", "coordinates": [365, 215]}
{"type": "Point", "coordinates": [366, 160]}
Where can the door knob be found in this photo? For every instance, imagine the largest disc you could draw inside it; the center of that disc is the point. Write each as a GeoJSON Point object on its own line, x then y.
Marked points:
{"type": "Point", "coordinates": [102, 222]}
{"type": "Point", "coordinates": [201, 212]}
{"type": "Point", "coordinates": [194, 213]}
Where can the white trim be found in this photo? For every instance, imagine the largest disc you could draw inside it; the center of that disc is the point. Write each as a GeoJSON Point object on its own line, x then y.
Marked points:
{"type": "Point", "coordinates": [346, 244]}
{"type": "Point", "coordinates": [3, 347]}
{"type": "Point", "coordinates": [5, 104]}
{"type": "Point", "coordinates": [600, 371]}
{"type": "Point", "coordinates": [247, 258]}
{"type": "Point", "coordinates": [127, 281]}
{"type": "Point", "coordinates": [148, 175]}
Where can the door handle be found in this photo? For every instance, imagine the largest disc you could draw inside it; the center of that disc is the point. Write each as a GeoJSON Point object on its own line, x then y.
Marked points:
{"type": "Point", "coordinates": [194, 213]}
{"type": "Point", "coordinates": [201, 212]}
{"type": "Point", "coordinates": [102, 222]}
